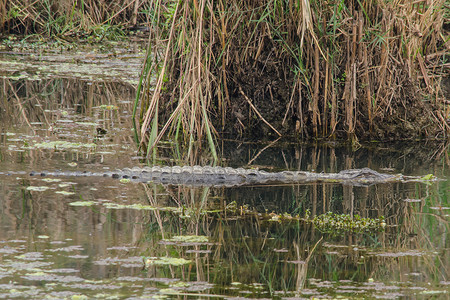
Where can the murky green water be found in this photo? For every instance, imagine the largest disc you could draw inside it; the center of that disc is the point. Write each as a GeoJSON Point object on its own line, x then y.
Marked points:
{"type": "Point", "coordinates": [102, 238]}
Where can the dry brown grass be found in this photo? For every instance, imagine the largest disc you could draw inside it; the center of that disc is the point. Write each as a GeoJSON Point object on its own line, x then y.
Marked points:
{"type": "Point", "coordinates": [351, 70]}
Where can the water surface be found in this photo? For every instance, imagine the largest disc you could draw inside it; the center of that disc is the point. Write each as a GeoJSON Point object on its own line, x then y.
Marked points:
{"type": "Point", "coordinates": [84, 237]}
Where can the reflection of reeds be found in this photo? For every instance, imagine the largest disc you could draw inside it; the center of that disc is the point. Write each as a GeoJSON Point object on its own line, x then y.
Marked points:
{"type": "Point", "coordinates": [45, 105]}
{"type": "Point", "coordinates": [40, 99]}
{"type": "Point", "coordinates": [246, 248]}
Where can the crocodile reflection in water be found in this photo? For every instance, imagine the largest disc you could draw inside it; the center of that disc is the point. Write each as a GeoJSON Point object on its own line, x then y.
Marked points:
{"type": "Point", "coordinates": [225, 176]}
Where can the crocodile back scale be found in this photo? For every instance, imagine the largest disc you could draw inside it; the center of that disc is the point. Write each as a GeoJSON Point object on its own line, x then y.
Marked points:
{"type": "Point", "coordinates": [220, 176]}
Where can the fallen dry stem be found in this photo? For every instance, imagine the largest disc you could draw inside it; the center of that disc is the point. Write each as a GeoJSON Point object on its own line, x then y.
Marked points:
{"type": "Point", "coordinates": [256, 111]}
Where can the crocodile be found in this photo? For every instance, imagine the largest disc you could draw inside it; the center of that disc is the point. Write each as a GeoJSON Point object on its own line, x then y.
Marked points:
{"type": "Point", "coordinates": [226, 176]}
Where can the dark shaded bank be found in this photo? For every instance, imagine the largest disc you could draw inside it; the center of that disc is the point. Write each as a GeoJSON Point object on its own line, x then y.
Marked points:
{"type": "Point", "coordinates": [348, 70]}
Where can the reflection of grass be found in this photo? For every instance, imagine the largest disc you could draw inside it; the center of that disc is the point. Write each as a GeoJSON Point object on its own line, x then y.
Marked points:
{"type": "Point", "coordinates": [418, 227]}
{"type": "Point", "coordinates": [251, 246]}
{"type": "Point", "coordinates": [432, 229]}
{"type": "Point", "coordinates": [272, 249]}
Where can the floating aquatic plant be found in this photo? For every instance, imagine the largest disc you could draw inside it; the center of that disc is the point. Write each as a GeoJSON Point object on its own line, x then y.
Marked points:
{"type": "Point", "coordinates": [330, 222]}
{"type": "Point", "coordinates": [188, 239]}
{"type": "Point", "coordinates": [61, 145]}
{"type": "Point", "coordinates": [65, 193]}
{"type": "Point", "coordinates": [132, 206]}
{"type": "Point", "coordinates": [37, 188]}
{"type": "Point", "coordinates": [87, 123]}
{"type": "Point", "coordinates": [51, 179]}
{"type": "Point", "coordinates": [109, 107]}
{"type": "Point", "coordinates": [344, 223]}
{"type": "Point", "coordinates": [428, 177]}
{"type": "Point", "coordinates": [82, 203]}
{"type": "Point", "coordinates": [172, 261]}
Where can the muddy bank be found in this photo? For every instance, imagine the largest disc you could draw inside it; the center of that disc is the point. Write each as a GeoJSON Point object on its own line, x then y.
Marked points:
{"type": "Point", "coordinates": [264, 104]}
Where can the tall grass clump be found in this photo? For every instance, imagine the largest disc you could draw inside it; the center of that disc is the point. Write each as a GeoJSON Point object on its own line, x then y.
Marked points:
{"type": "Point", "coordinates": [312, 69]}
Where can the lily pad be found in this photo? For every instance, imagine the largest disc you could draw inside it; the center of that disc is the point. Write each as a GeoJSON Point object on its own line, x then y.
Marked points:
{"type": "Point", "coordinates": [188, 239]}
{"type": "Point", "coordinates": [60, 145]}
{"type": "Point", "coordinates": [51, 179]}
{"type": "Point", "coordinates": [172, 261]}
{"type": "Point", "coordinates": [131, 206]}
{"type": "Point", "coordinates": [37, 188]}
{"type": "Point", "coordinates": [87, 123]}
{"type": "Point", "coordinates": [82, 203]}
{"type": "Point", "coordinates": [65, 193]}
